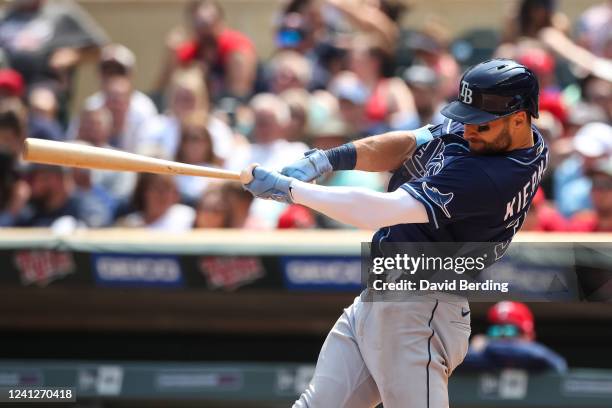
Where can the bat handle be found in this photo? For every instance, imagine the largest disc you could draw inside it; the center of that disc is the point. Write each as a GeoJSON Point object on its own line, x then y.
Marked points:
{"type": "Point", "coordinates": [246, 175]}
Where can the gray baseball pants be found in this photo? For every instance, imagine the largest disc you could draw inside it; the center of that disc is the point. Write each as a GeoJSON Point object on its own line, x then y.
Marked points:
{"type": "Point", "coordinates": [401, 353]}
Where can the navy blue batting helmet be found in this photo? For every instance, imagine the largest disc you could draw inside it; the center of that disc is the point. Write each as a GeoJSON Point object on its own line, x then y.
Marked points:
{"type": "Point", "coordinates": [494, 89]}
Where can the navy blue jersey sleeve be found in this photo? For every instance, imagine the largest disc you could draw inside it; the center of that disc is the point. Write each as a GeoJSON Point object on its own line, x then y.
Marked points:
{"type": "Point", "coordinates": [457, 191]}
{"type": "Point", "coordinates": [448, 127]}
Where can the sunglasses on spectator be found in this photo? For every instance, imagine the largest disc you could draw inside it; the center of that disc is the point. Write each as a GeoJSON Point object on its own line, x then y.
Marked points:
{"type": "Point", "coordinates": [503, 330]}
{"type": "Point", "coordinates": [109, 68]}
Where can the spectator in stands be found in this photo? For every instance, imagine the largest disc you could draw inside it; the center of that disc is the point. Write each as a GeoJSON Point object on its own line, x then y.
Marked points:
{"type": "Point", "coordinates": [187, 99]}
{"type": "Point", "coordinates": [295, 31]}
{"type": "Point", "coordinates": [430, 46]}
{"type": "Point", "coordinates": [156, 204]}
{"type": "Point", "coordinates": [116, 75]}
{"type": "Point", "coordinates": [593, 29]}
{"type": "Point", "coordinates": [288, 70]}
{"type": "Point", "coordinates": [539, 20]}
{"type": "Point", "coordinates": [599, 219]}
{"type": "Point", "coordinates": [96, 206]}
{"type": "Point", "coordinates": [543, 216]}
{"type": "Point", "coordinates": [227, 56]}
{"type": "Point", "coordinates": [53, 198]}
{"type": "Point", "coordinates": [543, 65]}
{"type": "Point", "coordinates": [531, 17]}
{"type": "Point", "coordinates": [238, 202]}
{"type": "Point", "coordinates": [599, 93]}
{"type": "Point", "coordinates": [379, 18]}
{"type": "Point", "coordinates": [428, 98]}
{"type": "Point", "coordinates": [117, 96]}
{"type": "Point", "coordinates": [510, 343]}
{"type": "Point", "coordinates": [351, 94]}
{"type": "Point", "coordinates": [13, 125]}
{"type": "Point", "coordinates": [270, 147]}
{"type": "Point", "coordinates": [14, 191]}
{"type": "Point", "coordinates": [11, 83]}
{"type": "Point", "coordinates": [571, 187]}
{"type": "Point", "coordinates": [46, 41]}
{"type": "Point", "coordinates": [195, 147]}
{"type": "Point", "coordinates": [42, 122]}
{"type": "Point", "coordinates": [300, 29]}
{"type": "Point", "coordinates": [212, 211]}
{"type": "Point", "coordinates": [299, 101]}
{"type": "Point", "coordinates": [226, 205]}
{"type": "Point", "coordinates": [580, 114]}
{"type": "Point", "coordinates": [390, 104]}
{"type": "Point", "coordinates": [95, 128]}
{"type": "Point", "coordinates": [296, 217]}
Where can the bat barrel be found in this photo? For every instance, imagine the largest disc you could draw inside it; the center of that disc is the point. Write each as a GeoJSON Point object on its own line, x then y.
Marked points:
{"type": "Point", "coordinates": [90, 157]}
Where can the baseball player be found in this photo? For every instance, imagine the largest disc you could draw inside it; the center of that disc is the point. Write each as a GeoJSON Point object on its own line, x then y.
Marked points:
{"type": "Point", "coordinates": [469, 179]}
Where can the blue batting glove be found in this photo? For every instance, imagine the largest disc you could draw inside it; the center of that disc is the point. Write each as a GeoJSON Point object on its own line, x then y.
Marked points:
{"type": "Point", "coordinates": [269, 185]}
{"type": "Point", "coordinates": [312, 166]}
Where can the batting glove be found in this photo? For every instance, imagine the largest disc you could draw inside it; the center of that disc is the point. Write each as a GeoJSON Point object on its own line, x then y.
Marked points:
{"type": "Point", "coordinates": [269, 185]}
{"type": "Point", "coordinates": [312, 166]}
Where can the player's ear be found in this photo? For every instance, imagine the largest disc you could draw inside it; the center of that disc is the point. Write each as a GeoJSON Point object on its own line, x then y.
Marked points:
{"type": "Point", "coordinates": [519, 119]}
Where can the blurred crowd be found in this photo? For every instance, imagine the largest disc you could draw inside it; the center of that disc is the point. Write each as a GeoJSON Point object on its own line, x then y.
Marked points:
{"type": "Point", "coordinates": [341, 70]}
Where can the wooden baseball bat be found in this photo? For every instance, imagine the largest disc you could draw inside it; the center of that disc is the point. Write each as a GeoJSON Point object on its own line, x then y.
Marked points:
{"type": "Point", "coordinates": [90, 157]}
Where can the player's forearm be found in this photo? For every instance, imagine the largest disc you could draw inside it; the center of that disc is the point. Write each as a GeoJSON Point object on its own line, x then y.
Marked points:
{"type": "Point", "coordinates": [385, 152]}
{"type": "Point", "coordinates": [360, 207]}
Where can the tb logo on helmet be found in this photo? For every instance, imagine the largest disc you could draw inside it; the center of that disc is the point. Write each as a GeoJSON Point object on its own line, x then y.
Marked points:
{"type": "Point", "coordinates": [466, 93]}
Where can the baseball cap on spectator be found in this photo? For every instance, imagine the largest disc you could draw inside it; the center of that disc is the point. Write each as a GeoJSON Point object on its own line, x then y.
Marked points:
{"type": "Point", "coordinates": [296, 216]}
{"type": "Point", "coordinates": [117, 59]}
{"type": "Point", "coordinates": [11, 82]}
{"type": "Point", "coordinates": [349, 88]}
{"type": "Point", "coordinates": [582, 113]}
{"type": "Point", "coordinates": [512, 313]}
{"type": "Point", "coordinates": [553, 102]}
{"type": "Point", "coordinates": [538, 60]}
{"type": "Point", "coordinates": [420, 75]}
{"type": "Point", "coordinates": [594, 140]}
{"type": "Point", "coordinates": [423, 42]}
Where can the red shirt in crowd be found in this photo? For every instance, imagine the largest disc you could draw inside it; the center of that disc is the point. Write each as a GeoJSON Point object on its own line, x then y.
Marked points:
{"type": "Point", "coordinates": [228, 42]}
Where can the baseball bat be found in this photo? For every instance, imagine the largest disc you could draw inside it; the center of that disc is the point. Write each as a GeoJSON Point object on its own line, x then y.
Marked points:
{"type": "Point", "coordinates": [90, 157]}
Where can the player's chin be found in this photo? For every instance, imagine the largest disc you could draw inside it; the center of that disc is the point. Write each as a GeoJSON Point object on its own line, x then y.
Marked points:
{"type": "Point", "coordinates": [480, 147]}
{"type": "Point", "coordinates": [476, 145]}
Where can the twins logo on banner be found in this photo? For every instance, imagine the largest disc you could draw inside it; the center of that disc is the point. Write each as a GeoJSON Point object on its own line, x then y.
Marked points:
{"type": "Point", "coordinates": [230, 273]}
{"type": "Point", "coordinates": [43, 267]}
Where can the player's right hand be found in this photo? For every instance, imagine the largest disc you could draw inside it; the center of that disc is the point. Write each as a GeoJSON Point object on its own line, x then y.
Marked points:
{"type": "Point", "coordinates": [314, 164]}
{"type": "Point", "coordinates": [268, 185]}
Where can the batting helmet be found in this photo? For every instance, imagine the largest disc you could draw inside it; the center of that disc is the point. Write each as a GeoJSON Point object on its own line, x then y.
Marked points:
{"type": "Point", "coordinates": [494, 89]}
{"type": "Point", "coordinates": [514, 313]}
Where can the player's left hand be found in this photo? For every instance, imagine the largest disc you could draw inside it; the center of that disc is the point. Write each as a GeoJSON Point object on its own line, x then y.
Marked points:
{"type": "Point", "coordinates": [314, 164]}
{"type": "Point", "coordinates": [269, 185]}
